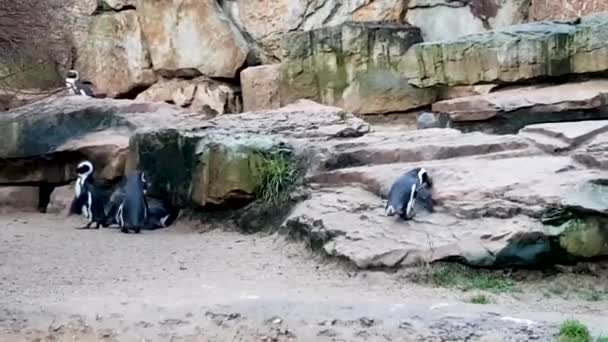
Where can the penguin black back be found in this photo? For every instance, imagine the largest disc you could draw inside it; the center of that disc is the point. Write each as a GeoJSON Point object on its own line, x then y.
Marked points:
{"type": "Point", "coordinates": [133, 212]}
{"type": "Point", "coordinates": [411, 185]}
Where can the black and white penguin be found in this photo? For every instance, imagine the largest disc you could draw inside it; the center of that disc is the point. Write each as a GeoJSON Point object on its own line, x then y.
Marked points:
{"type": "Point", "coordinates": [410, 186]}
{"type": "Point", "coordinates": [76, 86]}
{"type": "Point", "coordinates": [132, 213]}
{"type": "Point", "coordinates": [161, 214]}
{"type": "Point", "coordinates": [88, 200]}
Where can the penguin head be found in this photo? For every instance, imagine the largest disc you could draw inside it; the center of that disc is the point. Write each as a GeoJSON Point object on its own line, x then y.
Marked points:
{"type": "Point", "coordinates": [72, 76]}
{"type": "Point", "coordinates": [84, 169]}
{"type": "Point", "coordinates": [424, 178]}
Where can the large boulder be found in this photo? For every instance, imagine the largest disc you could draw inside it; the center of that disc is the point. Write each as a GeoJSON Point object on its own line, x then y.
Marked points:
{"type": "Point", "coordinates": [492, 197]}
{"type": "Point", "coordinates": [260, 86]}
{"type": "Point", "coordinates": [45, 140]}
{"type": "Point", "coordinates": [191, 37]}
{"type": "Point", "coordinates": [199, 95]}
{"type": "Point", "coordinates": [114, 56]}
{"type": "Point", "coordinates": [448, 19]}
{"type": "Point", "coordinates": [507, 111]}
{"type": "Point", "coordinates": [215, 162]}
{"type": "Point", "coordinates": [267, 21]}
{"type": "Point", "coordinates": [362, 67]}
{"type": "Point", "coordinates": [515, 53]}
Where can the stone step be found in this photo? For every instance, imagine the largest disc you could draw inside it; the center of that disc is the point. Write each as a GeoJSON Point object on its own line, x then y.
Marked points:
{"type": "Point", "coordinates": [507, 111]}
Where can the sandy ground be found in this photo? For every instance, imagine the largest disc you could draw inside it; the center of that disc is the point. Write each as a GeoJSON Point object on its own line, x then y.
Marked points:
{"type": "Point", "coordinates": [177, 284]}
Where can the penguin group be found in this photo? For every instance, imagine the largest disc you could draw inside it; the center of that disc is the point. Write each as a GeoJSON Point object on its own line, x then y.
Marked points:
{"type": "Point", "coordinates": [126, 205]}
{"type": "Point", "coordinates": [411, 186]}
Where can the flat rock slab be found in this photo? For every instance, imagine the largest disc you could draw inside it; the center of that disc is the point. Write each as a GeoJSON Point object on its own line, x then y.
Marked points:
{"type": "Point", "coordinates": [414, 146]}
{"type": "Point", "coordinates": [514, 108]}
{"type": "Point", "coordinates": [349, 222]}
{"type": "Point", "coordinates": [558, 137]}
{"type": "Point", "coordinates": [44, 141]}
{"type": "Point", "coordinates": [514, 53]}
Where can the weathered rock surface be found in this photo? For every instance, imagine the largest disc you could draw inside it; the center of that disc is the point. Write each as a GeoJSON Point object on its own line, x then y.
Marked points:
{"type": "Point", "coordinates": [199, 95]}
{"type": "Point", "coordinates": [565, 9]}
{"type": "Point", "coordinates": [515, 53]}
{"type": "Point", "coordinates": [216, 162]}
{"type": "Point", "coordinates": [191, 37]}
{"type": "Point", "coordinates": [18, 198]}
{"type": "Point", "coordinates": [362, 67]}
{"type": "Point", "coordinates": [115, 57]}
{"type": "Point", "coordinates": [447, 19]}
{"type": "Point", "coordinates": [507, 111]}
{"type": "Point", "coordinates": [260, 87]}
{"type": "Point", "coordinates": [267, 21]}
{"type": "Point", "coordinates": [556, 137]}
{"type": "Point", "coordinates": [490, 193]}
{"type": "Point", "coordinates": [74, 128]}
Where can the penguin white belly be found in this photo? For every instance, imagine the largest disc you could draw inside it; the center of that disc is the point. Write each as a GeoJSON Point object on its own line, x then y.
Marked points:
{"type": "Point", "coordinates": [78, 186]}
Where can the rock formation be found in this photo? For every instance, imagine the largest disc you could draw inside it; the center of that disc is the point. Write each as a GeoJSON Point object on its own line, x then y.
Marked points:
{"type": "Point", "coordinates": [362, 67]}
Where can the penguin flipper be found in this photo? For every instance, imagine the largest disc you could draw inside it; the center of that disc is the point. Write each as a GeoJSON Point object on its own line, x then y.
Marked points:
{"type": "Point", "coordinates": [76, 206]}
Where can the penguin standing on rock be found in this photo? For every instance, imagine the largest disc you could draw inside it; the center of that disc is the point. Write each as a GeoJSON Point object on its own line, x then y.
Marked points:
{"type": "Point", "coordinates": [132, 213]}
{"type": "Point", "coordinates": [76, 86]}
{"type": "Point", "coordinates": [413, 184]}
{"type": "Point", "coordinates": [88, 200]}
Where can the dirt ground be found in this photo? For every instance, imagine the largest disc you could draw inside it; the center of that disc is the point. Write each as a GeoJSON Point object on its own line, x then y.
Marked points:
{"type": "Point", "coordinates": [187, 284]}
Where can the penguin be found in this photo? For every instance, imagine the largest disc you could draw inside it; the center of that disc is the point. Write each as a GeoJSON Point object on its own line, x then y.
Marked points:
{"type": "Point", "coordinates": [88, 200]}
{"type": "Point", "coordinates": [161, 213]}
{"type": "Point", "coordinates": [132, 213]}
{"type": "Point", "coordinates": [76, 86]}
{"type": "Point", "coordinates": [410, 186]}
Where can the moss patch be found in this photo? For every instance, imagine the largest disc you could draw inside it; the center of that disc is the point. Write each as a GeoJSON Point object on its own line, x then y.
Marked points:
{"type": "Point", "coordinates": [466, 279]}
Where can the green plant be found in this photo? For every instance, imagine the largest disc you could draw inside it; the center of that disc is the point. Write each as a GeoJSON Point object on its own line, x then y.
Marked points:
{"type": "Point", "coordinates": [480, 299]}
{"type": "Point", "coordinates": [602, 339]}
{"type": "Point", "coordinates": [456, 276]}
{"type": "Point", "coordinates": [277, 174]}
{"type": "Point", "coordinates": [574, 331]}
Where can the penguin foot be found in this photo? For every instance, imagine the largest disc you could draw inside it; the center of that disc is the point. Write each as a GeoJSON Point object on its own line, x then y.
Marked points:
{"type": "Point", "coordinates": [124, 230]}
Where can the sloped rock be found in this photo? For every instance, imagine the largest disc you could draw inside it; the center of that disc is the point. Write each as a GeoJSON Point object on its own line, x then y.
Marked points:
{"type": "Point", "coordinates": [215, 162]}
{"type": "Point", "coordinates": [74, 128]}
{"type": "Point", "coordinates": [362, 67]}
{"type": "Point", "coordinates": [114, 57]}
{"type": "Point", "coordinates": [260, 87]}
{"type": "Point", "coordinates": [564, 9]}
{"type": "Point", "coordinates": [515, 53]}
{"type": "Point", "coordinates": [199, 95]}
{"type": "Point", "coordinates": [594, 153]}
{"type": "Point", "coordinates": [446, 20]}
{"type": "Point", "coordinates": [177, 35]}
{"type": "Point", "coordinates": [507, 111]}
{"type": "Point", "coordinates": [489, 198]}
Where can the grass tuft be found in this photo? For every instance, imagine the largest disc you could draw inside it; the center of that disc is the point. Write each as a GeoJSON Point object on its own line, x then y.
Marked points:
{"type": "Point", "coordinates": [277, 175]}
{"type": "Point", "coordinates": [574, 331]}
